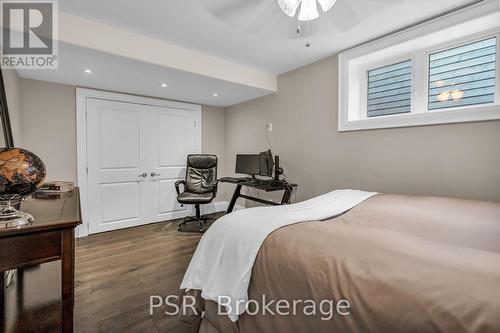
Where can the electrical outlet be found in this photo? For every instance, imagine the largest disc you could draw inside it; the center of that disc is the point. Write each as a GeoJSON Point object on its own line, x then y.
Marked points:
{"type": "Point", "coordinates": [269, 127]}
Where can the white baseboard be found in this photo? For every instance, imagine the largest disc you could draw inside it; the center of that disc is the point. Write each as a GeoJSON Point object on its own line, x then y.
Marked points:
{"type": "Point", "coordinates": [213, 207]}
{"type": "Point", "coordinates": [81, 231]}
{"type": "Point", "coordinates": [218, 206]}
{"type": "Point", "coordinates": [8, 277]}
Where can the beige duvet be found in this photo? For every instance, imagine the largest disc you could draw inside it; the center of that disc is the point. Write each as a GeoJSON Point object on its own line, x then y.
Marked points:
{"type": "Point", "coordinates": [404, 263]}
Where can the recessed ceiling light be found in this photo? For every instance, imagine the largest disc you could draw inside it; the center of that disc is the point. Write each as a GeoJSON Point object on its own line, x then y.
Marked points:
{"type": "Point", "coordinates": [164, 85]}
{"type": "Point", "coordinates": [215, 94]}
{"type": "Point", "coordinates": [87, 71]}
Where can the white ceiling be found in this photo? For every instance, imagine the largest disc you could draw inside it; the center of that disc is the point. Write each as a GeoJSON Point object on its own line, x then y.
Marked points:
{"type": "Point", "coordinates": [117, 73]}
{"type": "Point", "coordinates": [256, 32]}
{"type": "Point", "coordinates": [253, 39]}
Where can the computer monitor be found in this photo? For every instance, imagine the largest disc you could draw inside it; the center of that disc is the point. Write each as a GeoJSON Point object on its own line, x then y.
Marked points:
{"type": "Point", "coordinates": [266, 164]}
{"type": "Point", "coordinates": [248, 164]}
{"type": "Point", "coordinates": [255, 164]}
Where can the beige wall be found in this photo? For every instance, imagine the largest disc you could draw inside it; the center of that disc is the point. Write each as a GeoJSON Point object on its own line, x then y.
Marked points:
{"type": "Point", "coordinates": [459, 160]}
{"type": "Point", "coordinates": [48, 121]}
{"type": "Point", "coordinates": [48, 126]}
{"type": "Point", "coordinates": [12, 91]}
{"type": "Point", "coordinates": [212, 142]}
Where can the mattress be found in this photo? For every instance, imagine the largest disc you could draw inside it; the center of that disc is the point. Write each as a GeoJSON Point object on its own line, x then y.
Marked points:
{"type": "Point", "coordinates": [402, 264]}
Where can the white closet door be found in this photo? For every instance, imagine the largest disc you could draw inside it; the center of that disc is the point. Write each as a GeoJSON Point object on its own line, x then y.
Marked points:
{"type": "Point", "coordinates": [117, 165]}
{"type": "Point", "coordinates": [135, 154]}
{"type": "Point", "coordinates": [173, 137]}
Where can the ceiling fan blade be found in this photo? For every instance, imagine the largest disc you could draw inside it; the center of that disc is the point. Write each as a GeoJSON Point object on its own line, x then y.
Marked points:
{"type": "Point", "coordinates": [257, 17]}
{"type": "Point", "coordinates": [289, 7]}
{"type": "Point", "coordinates": [326, 4]}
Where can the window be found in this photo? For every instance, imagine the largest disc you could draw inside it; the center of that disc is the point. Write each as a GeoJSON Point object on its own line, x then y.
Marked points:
{"type": "Point", "coordinates": [443, 71]}
{"type": "Point", "coordinates": [463, 75]}
{"type": "Point", "coordinates": [389, 90]}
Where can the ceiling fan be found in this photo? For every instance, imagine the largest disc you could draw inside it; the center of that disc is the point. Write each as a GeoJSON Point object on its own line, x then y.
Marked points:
{"type": "Point", "coordinates": [265, 17]}
{"type": "Point", "coordinates": [308, 10]}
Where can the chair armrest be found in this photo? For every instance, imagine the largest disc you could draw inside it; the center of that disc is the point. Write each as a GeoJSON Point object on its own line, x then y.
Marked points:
{"type": "Point", "coordinates": [215, 187]}
{"type": "Point", "coordinates": [177, 183]}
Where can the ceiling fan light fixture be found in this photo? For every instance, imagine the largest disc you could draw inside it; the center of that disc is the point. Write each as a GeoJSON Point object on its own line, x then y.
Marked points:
{"type": "Point", "coordinates": [289, 7]}
{"type": "Point", "coordinates": [326, 4]}
{"type": "Point", "coordinates": [308, 10]}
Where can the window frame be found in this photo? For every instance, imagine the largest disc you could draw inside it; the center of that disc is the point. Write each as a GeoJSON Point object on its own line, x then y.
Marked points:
{"type": "Point", "coordinates": [354, 116]}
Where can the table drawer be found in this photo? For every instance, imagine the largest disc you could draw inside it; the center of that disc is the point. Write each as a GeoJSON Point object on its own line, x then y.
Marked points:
{"type": "Point", "coordinates": [24, 250]}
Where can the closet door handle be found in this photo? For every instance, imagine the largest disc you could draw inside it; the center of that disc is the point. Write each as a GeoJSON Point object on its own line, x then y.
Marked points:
{"type": "Point", "coordinates": [143, 175]}
{"type": "Point", "coordinates": [153, 174]}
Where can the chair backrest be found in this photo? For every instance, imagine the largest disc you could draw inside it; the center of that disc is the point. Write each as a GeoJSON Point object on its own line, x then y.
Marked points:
{"type": "Point", "coordinates": [201, 173]}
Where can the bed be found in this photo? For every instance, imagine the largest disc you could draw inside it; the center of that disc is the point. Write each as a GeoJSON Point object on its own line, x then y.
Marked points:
{"type": "Point", "coordinates": [404, 264]}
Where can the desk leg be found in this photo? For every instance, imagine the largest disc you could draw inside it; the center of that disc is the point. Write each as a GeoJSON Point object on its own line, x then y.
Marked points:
{"type": "Point", "coordinates": [286, 196]}
{"type": "Point", "coordinates": [68, 279]}
{"type": "Point", "coordinates": [2, 300]}
{"type": "Point", "coordinates": [20, 289]}
{"type": "Point", "coordinates": [235, 196]}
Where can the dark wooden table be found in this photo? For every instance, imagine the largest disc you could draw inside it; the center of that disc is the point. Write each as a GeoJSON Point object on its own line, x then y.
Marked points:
{"type": "Point", "coordinates": [49, 238]}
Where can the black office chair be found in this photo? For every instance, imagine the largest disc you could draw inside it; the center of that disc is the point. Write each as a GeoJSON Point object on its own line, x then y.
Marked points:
{"type": "Point", "coordinates": [200, 186]}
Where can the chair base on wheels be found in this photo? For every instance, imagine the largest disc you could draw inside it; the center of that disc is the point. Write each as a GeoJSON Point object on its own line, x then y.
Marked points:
{"type": "Point", "coordinates": [198, 218]}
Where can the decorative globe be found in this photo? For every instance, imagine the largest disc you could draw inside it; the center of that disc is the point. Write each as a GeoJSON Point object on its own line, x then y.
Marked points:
{"type": "Point", "coordinates": [21, 173]}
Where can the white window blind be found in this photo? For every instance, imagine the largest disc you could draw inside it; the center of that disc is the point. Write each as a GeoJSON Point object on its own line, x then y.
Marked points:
{"type": "Point", "coordinates": [463, 75]}
{"type": "Point", "coordinates": [389, 89]}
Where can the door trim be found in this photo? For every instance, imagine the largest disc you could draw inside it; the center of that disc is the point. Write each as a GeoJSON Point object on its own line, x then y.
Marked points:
{"type": "Point", "coordinates": [82, 94]}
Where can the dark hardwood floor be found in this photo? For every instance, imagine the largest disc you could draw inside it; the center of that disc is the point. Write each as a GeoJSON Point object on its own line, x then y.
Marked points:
{"type": "Point", "coordinates": [118, 271]}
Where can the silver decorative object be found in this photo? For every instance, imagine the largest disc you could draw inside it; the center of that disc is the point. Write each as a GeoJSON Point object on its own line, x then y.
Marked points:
{"type": "Point", "coordinates": [11, 217]}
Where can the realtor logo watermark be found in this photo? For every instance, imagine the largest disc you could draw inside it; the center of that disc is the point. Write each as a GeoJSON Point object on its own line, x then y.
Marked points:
{"type": "Point", "coordinates": [325, 309]}
{"type": "Point", "coordinates": [29, 34]}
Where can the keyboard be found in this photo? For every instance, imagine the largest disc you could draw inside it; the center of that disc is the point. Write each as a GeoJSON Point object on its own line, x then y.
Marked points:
{"type": "Point", "coordinates": [236, 179]}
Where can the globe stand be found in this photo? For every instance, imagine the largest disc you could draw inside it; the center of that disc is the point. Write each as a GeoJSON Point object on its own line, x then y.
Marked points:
{"type": "Point", "coordinates": [10, 217]}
